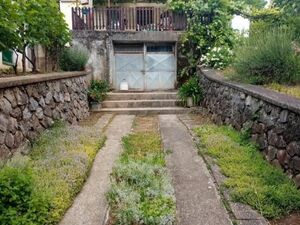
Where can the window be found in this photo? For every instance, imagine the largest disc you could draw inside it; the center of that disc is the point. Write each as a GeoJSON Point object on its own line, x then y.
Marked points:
{"type": "Point", "coordinates": [129, 48]}
{"type": "Point", "coordinates": [7, 57]}
{"type": "Point", "coordinates": [160, 48]}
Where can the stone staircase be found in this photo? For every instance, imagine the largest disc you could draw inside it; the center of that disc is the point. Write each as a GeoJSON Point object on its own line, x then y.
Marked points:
{"type": "Point", "coordinates": [141, 103]}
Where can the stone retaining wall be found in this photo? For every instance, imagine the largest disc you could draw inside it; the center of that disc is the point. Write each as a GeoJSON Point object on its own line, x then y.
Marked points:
{"type": "Point", "coordinates": [272, 118]}
{"type": "Point", "coordinates": [30, 104]}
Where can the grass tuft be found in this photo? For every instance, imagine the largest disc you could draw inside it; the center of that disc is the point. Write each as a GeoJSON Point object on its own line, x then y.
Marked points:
{"type": "Point", "coordinates": [141, 190]}
{"type": "Point", "coordinates": [251, 179]}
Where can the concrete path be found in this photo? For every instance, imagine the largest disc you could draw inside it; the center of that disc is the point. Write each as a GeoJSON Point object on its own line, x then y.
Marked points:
{"type": "Point", "coordinates": [197, 199]}
{"type": "Point", "coordinates": [90, 206]}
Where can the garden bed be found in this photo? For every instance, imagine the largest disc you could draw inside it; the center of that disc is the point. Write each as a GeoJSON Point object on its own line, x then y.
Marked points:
{"type": "Point", "coordinates": [141, 190]}
{"type": "Point", "coordinates": [40, 187]}
{"type": "Point", "coordinates": [249, 178]}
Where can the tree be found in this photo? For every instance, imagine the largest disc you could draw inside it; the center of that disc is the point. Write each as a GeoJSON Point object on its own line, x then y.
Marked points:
{"type": "Point", "coordinates": [43, 24]}
{"type": "Point", "coordinates": [208, 28]}
{"type": "Point", "coordinates": [289, 7]}
{"type": "Point", "coordinates": [27, 23]}
{"type": "Point", "coordinates": [259, 4]}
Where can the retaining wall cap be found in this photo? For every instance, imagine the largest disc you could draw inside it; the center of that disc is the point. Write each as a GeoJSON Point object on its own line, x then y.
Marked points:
{"type": "Point", "coordinates": [36, 78]}
{"type": "Point", "coordinates": [282, 100]}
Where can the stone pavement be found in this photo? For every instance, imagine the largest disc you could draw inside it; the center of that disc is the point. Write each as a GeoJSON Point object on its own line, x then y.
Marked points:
{"type": "Point", "coordinates": [90, 206]}
{"type": "Point", "coordinates": [197, 199]}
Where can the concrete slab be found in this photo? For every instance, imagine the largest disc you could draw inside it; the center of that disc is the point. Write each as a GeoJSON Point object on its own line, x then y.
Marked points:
{"type": "Point", "coordinates": [90, 206]}
{"type": "Point", "coordinates": [197, 199]}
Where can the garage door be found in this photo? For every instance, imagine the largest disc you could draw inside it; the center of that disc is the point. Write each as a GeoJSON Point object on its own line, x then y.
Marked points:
{"type": "Point", "coordinates": [145, 66]}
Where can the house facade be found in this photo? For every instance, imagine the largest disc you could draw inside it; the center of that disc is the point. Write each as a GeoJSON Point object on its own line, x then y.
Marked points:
{"type": "Point", "coordinates": [132, 43]}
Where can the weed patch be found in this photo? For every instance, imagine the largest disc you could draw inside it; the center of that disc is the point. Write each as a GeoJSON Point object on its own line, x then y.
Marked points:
{"type": "Point", "coordinates": [141, 190]}
{"type": "Point", "coordinates": [40, 187]}
{"type": "Point", "coordinates": [285, 89]}
{"type": "Point", "coordinates": [250, 178]}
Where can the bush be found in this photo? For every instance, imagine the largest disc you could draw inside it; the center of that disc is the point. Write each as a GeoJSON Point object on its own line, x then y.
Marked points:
{"type": "Point", "coordinates": [217, 57]}
{"type": "Point", "coordinates": [20, 203]}
{"type": "Point", "coordinates": [191, 88]}
{"type": "Point", "coordinates": [98, 91]}
{"type": "Point", "coordinates": [73, 59]}
{"type": "Point", "coordinates": [268, 57]}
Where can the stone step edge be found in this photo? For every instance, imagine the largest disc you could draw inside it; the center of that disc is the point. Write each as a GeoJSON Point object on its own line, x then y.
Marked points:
{"type": "Point", "coordinates": [141, 100]}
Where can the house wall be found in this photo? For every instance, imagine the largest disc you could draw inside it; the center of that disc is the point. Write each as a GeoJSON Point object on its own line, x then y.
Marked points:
{"type": "Point", "coordinates": [273, 119]}
{"type": "Point", "coordinates": [100, 46]}
{"type": "Point", "coordinates": [30, 104]}
{"type": "Point", "coordinates": [40, 60]}
{"type": "Point", "coordinates": [66, 6]}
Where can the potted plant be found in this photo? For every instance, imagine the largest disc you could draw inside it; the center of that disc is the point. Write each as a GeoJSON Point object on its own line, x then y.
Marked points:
{"type": "Point", "coordinates": [190, 93]}
{"type": "Point", "coordinates": [97, 92]}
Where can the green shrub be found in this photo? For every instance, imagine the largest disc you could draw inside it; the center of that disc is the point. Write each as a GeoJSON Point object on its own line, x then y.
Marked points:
{"type": "Point", "coordinates": [217, 57]}
{"type": "Point", "coordinates": [191, 88]}
{"type": "Point", "coordinates": [250, 178]}
{"type": "Point", "coordinates": [20, 202]}
{"type": "Point", "coordinates": [267, 57]}
{"type": "Point", "coordinates": [73, 59]}
{"type": "Point", "coordinates": [98, 90]}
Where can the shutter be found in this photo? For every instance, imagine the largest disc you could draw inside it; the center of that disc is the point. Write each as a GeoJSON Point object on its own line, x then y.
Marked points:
{"type": "Point", "coordinates": [7, 57]}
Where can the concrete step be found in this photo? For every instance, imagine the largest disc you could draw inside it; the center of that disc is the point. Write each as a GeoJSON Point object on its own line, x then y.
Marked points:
{"type": "Point", "coordinates": [144, 111]}
{"type": "Point", "coordinates": [114, 96]}
{"type": "Point", "coordinates": [140, 103]}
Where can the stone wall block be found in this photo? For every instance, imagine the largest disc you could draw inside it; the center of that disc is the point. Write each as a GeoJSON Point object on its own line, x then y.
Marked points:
{"type": "Point", "coordinates": [12, 125]}
{"type": "Point", "coordinates": [16, 113]}
{"type": "Point", "coordinates": [9, 140]}
{"type": "Point", "coordinates": [48, 98]}
{"type": "Point", "coordinates": [271, 153]}
{"type": "Point", "coordinates": [33, 104]}
{"type": "Point", "coordinates": [296, 163]}
{"type": "Point", "coordinates": [5, 106]}
{"type": "Point", "coordinates": [2, 137]}
{"type": "Point", "coordinates": [282, 156]}
{"type": "Point", "coordinates": [21, 96]}
{"type": "Point", "coordinates": [3, 122]}
{"type": "Point", "coordinates": [10, 96]}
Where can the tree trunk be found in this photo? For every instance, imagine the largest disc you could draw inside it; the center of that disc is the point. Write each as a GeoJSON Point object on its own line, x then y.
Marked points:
{"type": "Point", "coordinates": [33, 62]}
{"type": "Point", "coordinates": [24, 59]}
{"type": "Point", "coordinates": [15, 66]}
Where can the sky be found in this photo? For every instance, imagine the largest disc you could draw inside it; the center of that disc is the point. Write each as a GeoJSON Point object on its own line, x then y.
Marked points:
{"type": "Point", "coordinates": [241, 23]}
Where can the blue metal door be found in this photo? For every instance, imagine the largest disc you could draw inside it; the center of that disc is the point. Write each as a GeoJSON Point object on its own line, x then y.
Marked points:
{"type": "Point", "coordinates": [154, 68]}
{"type": "Point", "coordinates": [129, 68]}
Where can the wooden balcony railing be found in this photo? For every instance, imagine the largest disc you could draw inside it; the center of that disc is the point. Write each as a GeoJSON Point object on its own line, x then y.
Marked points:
{"type": "Point", "coordinates": [128, 19]}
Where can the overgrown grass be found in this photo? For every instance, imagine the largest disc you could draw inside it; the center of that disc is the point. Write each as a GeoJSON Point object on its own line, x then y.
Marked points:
{"type": "Point", "coordinates": [251, 179]}
{"type": "Point", "coordinates": [285, 89]}
{"type": "Point", "coordinates": [267, 57]}
{"type": "Point", "coordinates": [141, 190]}
{"type": "Point", "coordinates": [53, 173]}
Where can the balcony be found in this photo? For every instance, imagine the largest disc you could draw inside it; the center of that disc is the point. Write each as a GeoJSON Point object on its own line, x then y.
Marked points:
{"type": "Point", "coordinates": [128, 19]}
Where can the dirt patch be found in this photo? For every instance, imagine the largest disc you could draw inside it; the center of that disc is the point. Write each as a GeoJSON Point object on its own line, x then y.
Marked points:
{"type": "Point", "coordinates": [292, 219]}
{"type": "Point", "coordinates": [200, 119]}
{"type": "Point", "coordinates": [91, 120]}
{"type": "Point", "coordinates": [145, 124]}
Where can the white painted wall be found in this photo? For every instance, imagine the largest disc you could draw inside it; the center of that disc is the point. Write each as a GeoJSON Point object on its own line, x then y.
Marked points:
{"type": "Point", "coordinates": [66, 6]}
